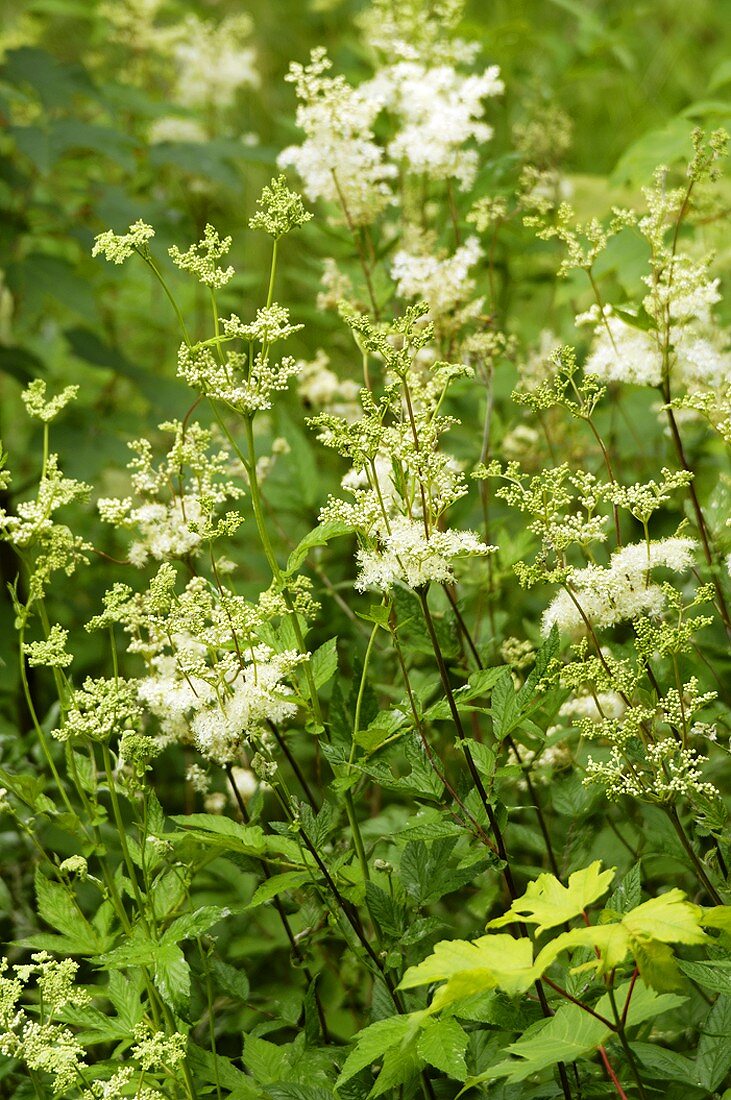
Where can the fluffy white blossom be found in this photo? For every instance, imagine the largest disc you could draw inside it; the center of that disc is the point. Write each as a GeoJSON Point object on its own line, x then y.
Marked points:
{"type": "Point", "coordinates": [214, 61]}
{"type": "Point", "coordinates": [621, 352]}
{"type": "Point", "coordinates": [320, 386]}
{"type": "Point", "coordinates": [439, 112]}
{"type": "Point", "coordinates": [406, 554]}
{"type": "Point", "coordinates": [164, 530]}
{"type": "Point", "coordinates": [339, 160]}
{"type": "Point", "coordinates": [620, 591]}
{"type": "Point", "coordinates": [176, 128]}
{"type": "Point", "coordinates": [258, 695]}
{"type": "Point", "coordinates": [443, 283]}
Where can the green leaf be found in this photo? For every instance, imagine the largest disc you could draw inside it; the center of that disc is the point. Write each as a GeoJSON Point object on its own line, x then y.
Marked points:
{"type": "Point", "coordinates": [57, 908]}
{"type": "Point", "coordinates": [266, 1061]}
{"type": "Point", "coordinates": [373, 1041]}
{"type": "Point", "coordinates": [628, 894]}
{"type": "Point", "coordinates": [442, 1044]}
{"type": "Point", "coordinates": [715, 976]}
{"type": "Point", "coordinates": [171, 974]}
{"type": "Point", "coordinates": [324, 662]}
{"type": "Point", "coordinates": [504, 706]}
{"type": "Point", "coordinates": [216, 831]}
{"type": "Point", "coordinates": [720, 76]}
{"type": "Point", "coordinates": [214, 1069]}
{"type": "Point", "coordinates": [230, 980]}
{"type": "Point", "coordinates": [572, 1034]}
{"type": "Point", "coordinates": [278, 884]}
{"type": "Point", "coordinates": [660, 1064]}
{"type": "Point", "coordinates": [665, 146]}
{"type": "Point", "coordinates": [565, 1037]}
{"type": "Point", "coordinates": [713, 1060]}
{"type": "Point", "coordinates": [547, 903]}
{"type": "Point", "coordinates": [194, 924]}
{"type": "Point", "coordinates": [669, 918]}
{"type": "Point", "coordinates": [388, 915]}
{"type": "Point", "coordinates": [318, 537]}
{"type": "Point", "coordinates": [495, 961]}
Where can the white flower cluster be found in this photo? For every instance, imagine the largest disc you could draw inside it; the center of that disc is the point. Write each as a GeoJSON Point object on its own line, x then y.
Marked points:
{"type": "Point", "coordinates": [201, 259]}
{"type": "Point", "coordinates": [621, 352]}
{"type": "Point", "coordinates": [164, 530]}
{"type": "Point", "coordinates": [199, 64]}
{"type": "Point", "coordinates": [699, 352]}
{"type": "Point", "coordinates": [443, 283]}
{"type": "Point", "coordinates": [319, 386]}
{"type": "Point", "coordinates": [48, 1047]}
{"type": "Point", "coordinates": [439, 111]}
{"type": "Point", "coordinates": [176, 527]}
{"type": "Point", "coordinates": [220, 721]}
{"type": "Point", "coordinates": [118, 247]}
{"type": "Point", "coordinates": [620, 591]}
{"type": "Point", "coordinates": [406, 554]}
{"type": "Point", "coordinates": [669, 772]}
{"type": "Point", "coordinates": [339, 160]}
{"type": "Point", "coordinates": [436, 112]}
{"type": "Point", "coordinates": [34, 399]}
{"type": "Point", "coordinates": [213, 61]}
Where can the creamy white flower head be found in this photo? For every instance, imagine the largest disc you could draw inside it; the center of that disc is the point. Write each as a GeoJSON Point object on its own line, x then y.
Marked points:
{"type": "Point", "coordinates": [176, 128]}
{"type": "Point", "coordinates": [339, 160]}
{"type": "Point", "coordinates": [214, 61]}
{"type": "Point", "coordinates": [320, 386]}
{"type": "Point", "coordinates": [440, 112]}
{"type": "Point", "coordinates": [173, 697]}
{"type": "Point", "coordinates": [622, 590]}
{"type": "Point", "coordinates": [621, 352]}
{"type": "Point", "coordinates": [408, 556]}
{"type": "Point", "coordinates": [605, 704]}
{"type": "Point", "coordinates": [258, 695]}
{"type": "Point", "coordinates": [163, 530]}
{"type": "Point", "coordinates": [443, 283]}
{"type": "Point", "coordinates": [702, 359]}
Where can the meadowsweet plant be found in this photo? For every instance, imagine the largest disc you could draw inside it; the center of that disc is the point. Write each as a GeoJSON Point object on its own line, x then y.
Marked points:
{"type": "Point", "coordinates": [372, 721]}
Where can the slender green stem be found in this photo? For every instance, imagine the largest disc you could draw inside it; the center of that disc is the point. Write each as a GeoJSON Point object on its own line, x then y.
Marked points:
{"type": "Point", "coordinates": [156, 272]}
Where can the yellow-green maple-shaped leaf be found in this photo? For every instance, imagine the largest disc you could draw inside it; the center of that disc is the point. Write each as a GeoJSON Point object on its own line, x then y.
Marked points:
{"type": "Point", "coordinates": [611, 940]}
{"type": "Point", "coordinates": [548, 903]}
{"type": "Point", "coordinates": [669, 918]}
{"type": "Point", "coordinates": [491, 962]}
{"type": "Point", "coordinates": [718, 916]}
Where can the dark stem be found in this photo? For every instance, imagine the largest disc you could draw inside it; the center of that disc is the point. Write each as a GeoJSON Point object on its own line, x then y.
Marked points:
{"type": "Point", "coordinates": [476, 778]}
{"type": "Point", "coordinates": [296, 950]}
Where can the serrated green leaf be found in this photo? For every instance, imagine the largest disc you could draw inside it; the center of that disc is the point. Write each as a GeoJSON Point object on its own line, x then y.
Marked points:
{"type": "Point", "coordinates": [319, 537]}
{"type": "Point", "coordinates": [171, 974]}
{"type": "Point", "coordinates": [504, 706]}
{"type": "Point", "coordinates": [278, 884]}
{"type": "Point", "coordinates": [669, 918]}
{"type": "Point", "coordinates": [324, 662]}
{"type": "Point", "coordinates": [373, 1041]}
{"type": "Point", "coordinates": [660, 1064]}
{"type": "Point", "coordinates": [713, 1060]}
{"type": "Point", "coordinates": [194, 924]}
{"type": "Point", "coordinates": [221, 832]}
{"type": "Point", "coordinates": [495, 961]}
{"type": "Point", "coordinates": [442, 1044]}
{"type": "Point", "coordinates": [715, 976]}
{"type": "Point", "coordinates": [230, 980]}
